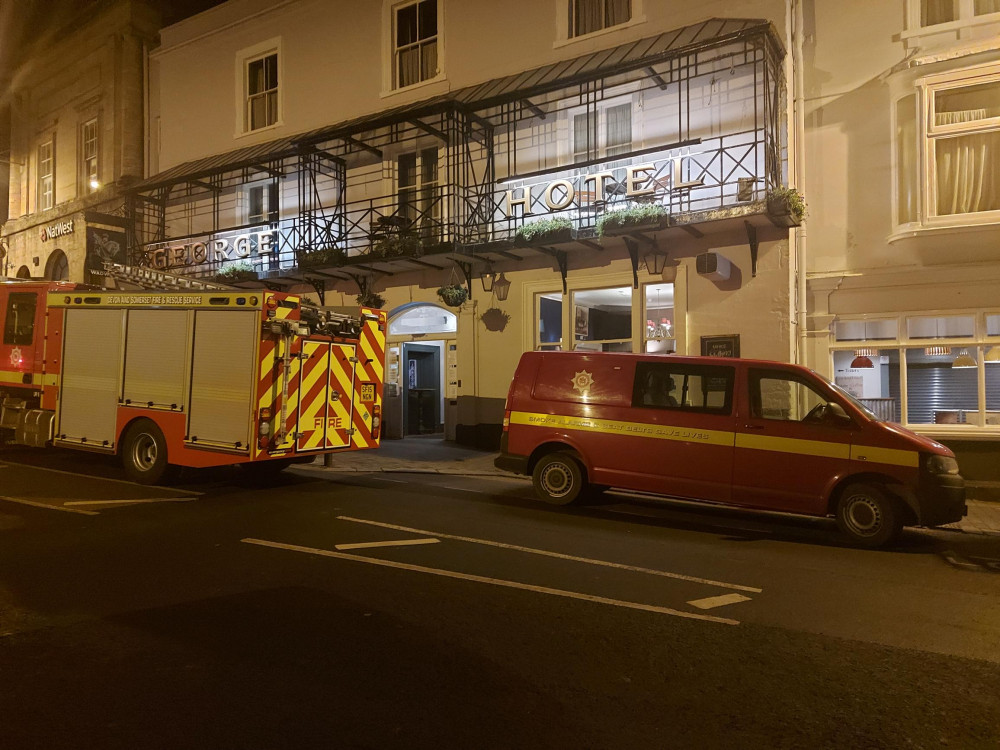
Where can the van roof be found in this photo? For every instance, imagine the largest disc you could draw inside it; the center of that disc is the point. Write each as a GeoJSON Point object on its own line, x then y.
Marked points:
{"type": "Point", "coordinates": [686, 358]}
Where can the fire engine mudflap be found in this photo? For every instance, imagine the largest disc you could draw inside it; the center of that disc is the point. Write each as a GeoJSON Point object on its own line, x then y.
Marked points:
{"type": "Point", "coordinates": [199, 379]}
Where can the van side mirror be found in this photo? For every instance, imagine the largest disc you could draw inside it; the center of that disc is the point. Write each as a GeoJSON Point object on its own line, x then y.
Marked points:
{"type": "Point", "coordinates": [835, 412]}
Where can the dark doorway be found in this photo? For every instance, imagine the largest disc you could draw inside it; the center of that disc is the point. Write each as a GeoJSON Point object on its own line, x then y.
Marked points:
{"type": "Point", "coordinates": [421, 389]}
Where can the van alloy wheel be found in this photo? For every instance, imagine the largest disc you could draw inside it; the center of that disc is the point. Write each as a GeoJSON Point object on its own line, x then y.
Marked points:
{"type": "Point", "coordinates": [558, 479]}
{"type": "Point", "coordinates": [867, 516]}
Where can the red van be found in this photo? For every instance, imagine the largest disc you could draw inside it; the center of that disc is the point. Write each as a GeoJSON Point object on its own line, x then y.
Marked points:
{"type": "Point", "coordinates": [741, 432]}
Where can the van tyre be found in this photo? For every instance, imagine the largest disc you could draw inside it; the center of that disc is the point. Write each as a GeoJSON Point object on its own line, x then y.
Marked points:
{"type": "Point", "coordinates": [559, 479]}
{"type": "Point", "coordinates": [144, 453]}
{"type": "Point", "coordinates": [867, 516]}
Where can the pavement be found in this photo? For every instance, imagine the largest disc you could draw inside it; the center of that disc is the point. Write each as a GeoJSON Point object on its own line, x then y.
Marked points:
{"type": "Point", "coordinates": [431, 454]}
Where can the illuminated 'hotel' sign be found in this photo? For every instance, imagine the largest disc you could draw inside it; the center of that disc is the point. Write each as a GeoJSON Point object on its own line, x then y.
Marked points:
{"type": "Point", "coordinates": [639, 181]}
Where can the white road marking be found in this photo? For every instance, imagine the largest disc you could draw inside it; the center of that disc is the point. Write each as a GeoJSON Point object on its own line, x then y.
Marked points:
{"type": "Point", "coordinates": [558, 555]}
{"type": "Point", "coordinates": [493, 581]}
{"type": "Point", "coordinates": [396, 543]}
{"type": "Point", "coordinates": [48, 507]}
{"type": "Point", "coordinates": [461, 489]}
{"type": "Point", "coordinates": [131, 502]}
{"type": "Point", "coordinates": [103, 479]}
{"type": "Point", "coordinates": [719, 601]}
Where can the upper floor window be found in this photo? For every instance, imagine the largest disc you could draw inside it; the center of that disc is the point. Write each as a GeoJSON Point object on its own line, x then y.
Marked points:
{"type": "Point", "coordinates": [418, 192]}
{"type": "Point", "coordinates": [262, 204]}
{"type": "Point", "coordinates": [89, 178]}
{"type": "Point", "coordinates": [606, 132]}
{"type": "Point", "coordinates": [262, 91]}
{"type": "Point", "coordinates": [46, 175]}
{"type": "Point", "coordinates": [934, 12]}
{"type": "Point", "coordinates": [588, 16]}
{"type": "Point", "coordinates": [415, 42]}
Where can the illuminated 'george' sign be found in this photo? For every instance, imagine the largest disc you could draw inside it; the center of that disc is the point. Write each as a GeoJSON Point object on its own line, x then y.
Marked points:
{"type": "Point", "coordinates": [213, 249]}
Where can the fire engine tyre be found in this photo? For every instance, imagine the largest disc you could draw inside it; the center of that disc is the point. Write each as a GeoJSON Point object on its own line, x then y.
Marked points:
{"type": "Point", "coordinates": [558, 479]}
{"type": "Point", "coordinates": [144, 453]}
{"type": "Point", "coordinates": [868, 517]}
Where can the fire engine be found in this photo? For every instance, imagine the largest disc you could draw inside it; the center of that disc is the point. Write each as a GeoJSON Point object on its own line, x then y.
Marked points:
{"type": "Point", "coordinates": [198, 377]}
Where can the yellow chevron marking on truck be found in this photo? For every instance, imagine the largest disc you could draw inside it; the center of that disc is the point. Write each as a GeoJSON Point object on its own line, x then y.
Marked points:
{"type": "Point", "coordinates": [795, 446]}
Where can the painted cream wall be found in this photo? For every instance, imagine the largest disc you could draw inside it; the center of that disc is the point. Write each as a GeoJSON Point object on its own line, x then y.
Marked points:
{"type": "Point", "coordinates": [332, 57]}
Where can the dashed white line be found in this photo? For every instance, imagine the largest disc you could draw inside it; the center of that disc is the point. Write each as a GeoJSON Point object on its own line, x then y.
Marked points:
{"type": "Point", "coordinates": [494, 581]}
{"type": "Point", "coordinates": [559, 555]}
{"type": "Point", "coordinates": [394, 543]}
{"type": "Point", "coordinates": [34, 504]}
{"type": "Point", "coordinates": [131, 502]}
{"type": "Point", "coordinates": [719, 601]}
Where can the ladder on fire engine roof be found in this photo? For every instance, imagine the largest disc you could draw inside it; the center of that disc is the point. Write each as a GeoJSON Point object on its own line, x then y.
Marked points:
{"type": "Point", "coordinates": [151, 278]}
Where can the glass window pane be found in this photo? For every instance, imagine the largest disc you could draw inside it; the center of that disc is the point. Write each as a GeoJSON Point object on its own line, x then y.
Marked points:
{"type": "Point", "coordinates": [659, 333]}
{"type": "Point", "coordinates": [993, 325]}
{"type": "Point", "coordinates": [992, 386]}
{"type": "Point", "coordinates": [937, 11]}
{"type": "Point", "coordinates": [968, 180]}
{"type": "Point", "coordinates": [427, 22]}
{"type": "Point", "coordinates": [967, 104]}
{"type": "Point", "coordinates": [406, 25]}
{"type": "Point", "coordinates": [907, 152]}
{"type": "Point", "coordinates": [619, 129]}
{"type": "Point", "coordinates": [938, 391]}
{"type": "Point", "coordinates": [885, 329]}
{"type": "Point", "coordinates": [672, 385]}
{"type": "Point", "coordinates": [781, 398]}
{"type": "Point", "coordinates": [940, 327]}
{"type": "Point", "coordinates": [877, 387]}
{"type": "Point", "coordinates": [602, 319]}
{"type": "Point", "coordinates": [19, 325]}
{"type": "Point", "coordinates": [550, 321]}
{"type": "Point", "coordinates": [983, 7]}
{"type": "Point", "coordinates": [423, 319]}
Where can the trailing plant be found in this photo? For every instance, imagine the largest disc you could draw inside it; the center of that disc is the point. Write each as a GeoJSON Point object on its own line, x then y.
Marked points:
{"type": "Point", "coordinates": [238, 271]}
{"type": "Point", "coordinates": [787, 200]}
{"type": "Point", "coordinates": [392, 246]}
{"type": "Point", "coordinates": [326, 256]}
{"type": "Point", "coordinates": [527, 233]}
{"type": "Point", "coordinates": [495, 319]}
{"type": "Point", "coordinates": [633, 215]}
{"type": "Point", "coordinates": [371, 299]}
{"type": "Point", "coordinates": [453, 295]}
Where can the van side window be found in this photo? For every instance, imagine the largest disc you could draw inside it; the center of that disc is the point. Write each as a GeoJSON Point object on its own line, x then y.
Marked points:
{"type": "Point", "coordinates": [19, 323]}
{"type": "Point", "coordinates": [701, 388]}
{"type": "Point", "coordinates": [781, 396]}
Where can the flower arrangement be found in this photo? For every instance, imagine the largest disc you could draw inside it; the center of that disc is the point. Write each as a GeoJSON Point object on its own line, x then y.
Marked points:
{"type": "Point", "coordinates": [628, 219]}
{"type": "Point", "coordinates": [453, 295]}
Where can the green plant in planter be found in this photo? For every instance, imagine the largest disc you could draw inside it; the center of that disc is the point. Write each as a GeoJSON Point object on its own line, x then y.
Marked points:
{"type": "Point", "coordinates": [785, 201]}
{"type": "Point", "coordinates": [326, 256]}
{"type": "Point", "coordinates": [238, 271]}
{"type": "Point", "coordinates": [405, 243]}
{"type": "Point", "coordinates": [622, 220]}
{"type": "Point", "coordinates": [553, 230]}
{"type": "Point", "coordinates": [453, 295]}
{"type": "Point", "coordinates": [495, 319]}
{"type": "Point", "coordinates": [371, 299]}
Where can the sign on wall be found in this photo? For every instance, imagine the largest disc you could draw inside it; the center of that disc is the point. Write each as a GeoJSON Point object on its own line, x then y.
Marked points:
{"type": "Point", "coordinates": [721, 346]}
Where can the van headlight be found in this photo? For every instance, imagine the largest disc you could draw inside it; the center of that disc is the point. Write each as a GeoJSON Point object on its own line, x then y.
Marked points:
{"type": "Point", "coordinates": [936, 464]}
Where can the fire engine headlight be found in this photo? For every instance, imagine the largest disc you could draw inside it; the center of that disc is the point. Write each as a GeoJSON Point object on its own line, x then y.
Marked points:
{"type": "Point", "coordinates": [936, 464]}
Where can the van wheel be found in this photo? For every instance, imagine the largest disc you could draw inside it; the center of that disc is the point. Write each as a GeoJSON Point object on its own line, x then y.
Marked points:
{"type": "Point", "coordinates": [867, 516]}
{"type": "Point", "coordinates": [144, 453]}
{"type": "Point", "coordinates": [558, 479]}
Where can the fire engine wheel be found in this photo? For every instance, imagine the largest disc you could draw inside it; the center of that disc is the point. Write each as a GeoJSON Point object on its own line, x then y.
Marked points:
{"type": "Point", "coordinates": [144, 453]}
{"type": "Point", "coordinates": [867, 516]}
{"type": "Point", "coordinates": [558, 479]}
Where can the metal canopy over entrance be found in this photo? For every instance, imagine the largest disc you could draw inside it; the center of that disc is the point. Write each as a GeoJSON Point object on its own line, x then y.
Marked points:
{"type": "Point", "coordinates": [459, 178]}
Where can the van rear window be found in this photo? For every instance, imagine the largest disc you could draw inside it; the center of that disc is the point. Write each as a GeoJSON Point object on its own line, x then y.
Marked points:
{"type": "Point", "coordinates": [685, 387]}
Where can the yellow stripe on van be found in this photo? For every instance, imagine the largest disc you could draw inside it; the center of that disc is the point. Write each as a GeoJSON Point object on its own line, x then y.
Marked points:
{"type": "Point", "coordinates": [820, 448]}
{"type": "Point", "coordinates": [614, 427]}
{"type": "Point", "coordinates": [885, 456]}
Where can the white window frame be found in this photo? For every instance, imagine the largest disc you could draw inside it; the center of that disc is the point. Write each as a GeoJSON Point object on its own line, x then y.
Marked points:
{"type": "Point", "coordinates": [90, 150]}
{"type": "Point", "coordinates": [564, 34]}
{"type": "Point", "coordinates": [265, 216]}
{"type": "Point", "coordinates": [965, 17]}
{"type": "Point", "coordinates": [244, 58]}
{"type": "Point", "coordinates": [46, 182]}
{"type": "Point", "coordinates": [390, 85]}
{"type": "Point", "coordinates": [602, 128]}
{"type": "Point", "coordinates": [418, 188]}
{"type": "Point", "coordinates": [927, 133]}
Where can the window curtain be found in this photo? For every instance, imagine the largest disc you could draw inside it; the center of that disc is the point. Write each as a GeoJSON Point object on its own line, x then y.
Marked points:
{"type": "Point", "coordinates": [937, 11]}
{"type": "Point", "coordinates": [587, 16]}
{"type": "Point", "coordinates": [619, 126]}
{"type": "Point", "coordinates": [987, 6]}
{"type": "Point", "coordinates": [967, 176]}
{"type": "Point", "coordinates": [620, 11]}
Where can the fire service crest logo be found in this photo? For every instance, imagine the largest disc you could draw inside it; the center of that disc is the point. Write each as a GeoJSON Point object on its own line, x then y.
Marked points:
{"type": "Point", "coordinates": [583, 381]}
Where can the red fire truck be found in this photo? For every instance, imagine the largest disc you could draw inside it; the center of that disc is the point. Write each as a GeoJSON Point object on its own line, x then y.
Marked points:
{"type": "Point", "coordinates": [187, 378]}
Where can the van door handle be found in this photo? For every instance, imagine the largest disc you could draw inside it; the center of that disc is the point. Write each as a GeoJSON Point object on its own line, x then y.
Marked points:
{"type": "Point", "coordinates": [753, 427]}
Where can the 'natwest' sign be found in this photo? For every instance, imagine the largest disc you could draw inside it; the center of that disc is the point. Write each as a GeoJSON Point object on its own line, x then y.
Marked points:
{"type": "Point", "coordinates": [213, 249]}
{"type": "Point", "coordinates": [58, 229]}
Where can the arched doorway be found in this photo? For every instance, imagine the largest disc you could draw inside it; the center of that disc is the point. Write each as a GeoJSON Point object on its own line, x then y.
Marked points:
{"type": "Point", "coordinates": [421, 353]}
{"type": "Point", "coordinates": [57, 266]}
{"type": "Point", "coordinates": [23, 272]}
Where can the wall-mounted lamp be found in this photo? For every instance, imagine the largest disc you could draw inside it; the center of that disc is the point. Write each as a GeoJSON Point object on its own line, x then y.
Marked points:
{"type": "Point", "coordinates": [655, 262]}
{"type": "Point", "coordinates": [863, 359]}
{"type": "Point", "coordinates": [501, 287]}
{"type": "Point", "coordinates": [94, 184]}
{"type": "Point", "coordinates": [963, 361]}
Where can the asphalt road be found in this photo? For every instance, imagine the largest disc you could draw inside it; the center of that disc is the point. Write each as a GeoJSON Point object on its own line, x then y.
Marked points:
{"type": "Point", "coordinates": [418, 611]}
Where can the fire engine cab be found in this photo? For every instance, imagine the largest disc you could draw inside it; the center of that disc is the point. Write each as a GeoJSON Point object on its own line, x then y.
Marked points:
{"type": "Point", "coordinates": [198, 378]}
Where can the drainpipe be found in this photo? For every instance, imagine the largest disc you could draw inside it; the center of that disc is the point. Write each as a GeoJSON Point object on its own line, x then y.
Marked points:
{"type": "Point", "coordinates": [797, 172]}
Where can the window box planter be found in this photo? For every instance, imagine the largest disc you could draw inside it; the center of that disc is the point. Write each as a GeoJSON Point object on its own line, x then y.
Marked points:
{"type": "Point", "coordinates": [544, 232]}
{"type": "Point", "coordinates": [453, 295]}
{"type": "Point", "coordinates": [648, 217]}
{"type": "Point", "coordinates": [236, 272]}
{"type": "Point", "coordinates": [397, 246]}
{"type": "Point", "coordinates": [785, 207]}
{"type": "Point", "coordinates": [371, 299]}
{"type": "Point", "coordinates": [325, 257]}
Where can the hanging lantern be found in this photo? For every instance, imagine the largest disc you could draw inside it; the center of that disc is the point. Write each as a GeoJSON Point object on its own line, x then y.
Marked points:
{"type": "Point", "coordinates": [501, 287]}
